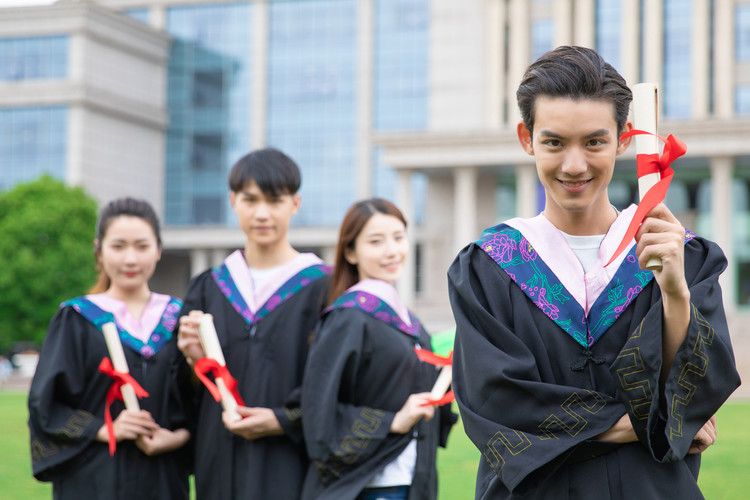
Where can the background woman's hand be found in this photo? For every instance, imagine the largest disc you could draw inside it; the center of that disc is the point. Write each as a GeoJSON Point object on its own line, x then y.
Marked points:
{"type": "Point", "coordinates": [412, 412]}
{"type": "Point", "coordinates": [129, 425]}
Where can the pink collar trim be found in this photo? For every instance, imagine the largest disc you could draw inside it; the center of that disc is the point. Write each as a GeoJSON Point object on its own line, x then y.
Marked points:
{"type": "Point", "coordinates": [140, 328]}
{"type": "Point", "coordinates": [551, 246]}
{"type": "Point", "coordinates": [255, 299]}
{"type": "Point", "coordinates": [387, 293]}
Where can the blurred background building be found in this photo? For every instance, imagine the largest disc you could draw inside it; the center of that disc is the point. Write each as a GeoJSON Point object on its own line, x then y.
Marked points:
{"type": "Point", "coordinates": [412, 100]}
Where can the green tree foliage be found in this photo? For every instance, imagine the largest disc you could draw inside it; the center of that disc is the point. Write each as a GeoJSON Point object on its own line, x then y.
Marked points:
{"type": "Point", "coordinates": [46, 241]}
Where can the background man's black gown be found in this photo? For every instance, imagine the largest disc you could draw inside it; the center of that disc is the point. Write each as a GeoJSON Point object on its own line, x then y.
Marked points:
{"type": "Point", "coordinates": [533, 416]}
{"type": "Point", "coordinates": [268, 360]}
{"type": "Point", "coordinates": [66, 409]}
{"type": "Point", "coordinates": [360, 372]}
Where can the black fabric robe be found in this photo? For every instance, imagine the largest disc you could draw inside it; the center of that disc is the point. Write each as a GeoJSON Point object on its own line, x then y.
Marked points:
{"type": "Point", "coordinates": [360, 372]}
{"type": "Point", "coordinates": [532, 399]}
{"type": "Point", "coordinates": [66, 409]}
{"type": "Point", "coordinates": [267, 359]}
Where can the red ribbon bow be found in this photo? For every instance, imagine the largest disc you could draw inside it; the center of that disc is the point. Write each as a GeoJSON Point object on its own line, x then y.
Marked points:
{"type": "Point", "coordinates": [114, 392]}
{"type": "Point", "coordinates": [649, 164]}
{"type": "Point", "coordinates": [207, 365]}
{"type": "Point", "coordinates": [437, 360]}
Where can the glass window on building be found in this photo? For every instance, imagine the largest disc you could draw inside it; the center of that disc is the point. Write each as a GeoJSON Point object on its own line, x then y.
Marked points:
{"type": "Point", "coordinates": [312, 101]}
{"type": "Point", "coordinates": [742, 100]}
{"type": "Point", "coordinates": [139, 14]}
{"type": "Point", "coordinates": [401, 72]}
{"type": "Point", "coordinates": [209, 103]}
{"type": "Point", "coordinates": [741, 229]}
{"type": "Point", "coordinates": [608, 28]}
{"type": "Point", "coordinates": [742, 32]}
{"type": "Point", "coordinates": [34, 58]}
{"type": "Point", "coordinates": [32, 143]}
{"type": "Point", "coordinates": [677, 60]}
{"type": "Point", "coordinates": [542, 36]}
{"type": "Point", "coordinates": [505, 198]}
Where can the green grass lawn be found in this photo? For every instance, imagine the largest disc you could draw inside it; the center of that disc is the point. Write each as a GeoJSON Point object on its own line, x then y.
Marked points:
{"type": "Point", "coordinates": [723, 474]}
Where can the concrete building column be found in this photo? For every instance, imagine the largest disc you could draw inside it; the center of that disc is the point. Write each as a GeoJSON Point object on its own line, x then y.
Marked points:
{"type": "Point", "coordinates": [630, 41]}
{"type": "Point", "coordinates": [519, 53]}
{"type": "Point", "coordinates": [563, 15]}
{"type": "Point", "coordinates": [653, 40]}
{"type": "Point", "coordinates": [259, 81]}
{"type": "Point", "coordinates": [365, 58]}
{"type": "Point", "coordinates": [406, 286]}
{"type": "Point", "coordinates": [526, 190]}
{"type": "Point", "coordinates": [700, 47]}
{"type": "Point", "coordinates": [217, 256]}
{"type": "Point", "coordinates": [724, 75]}
{"type": "Point", "coordinates": [722, 171]}
{"type": "Point", "coordinates": [494, 61]}
{"type": "Point", "coordinates": [157, 17]}
{"type": "Point", "coordinates": [464, 206]}
{"type": "Point", "coordinates": [198, 261]}
{"type": "Point", "coordinates": [584, 28]}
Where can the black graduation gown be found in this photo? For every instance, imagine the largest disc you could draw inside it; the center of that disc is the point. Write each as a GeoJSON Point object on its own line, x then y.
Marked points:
{"type": "Point", "coordinates": [360, 372]}
{"type": "Point", "coordinates": [267, 358]}
{"type": "Point", "coordinates": [532, 399]}
{"type": "Point", "coordinates": [66, 409]}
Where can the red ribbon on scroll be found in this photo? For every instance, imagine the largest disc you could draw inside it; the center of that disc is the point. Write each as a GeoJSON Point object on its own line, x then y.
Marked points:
{"type": "Point", "coordinates": [114, 392]}
{"type": "Point", "coordinates": [207, 365]}
{"type": "Point", "coordinates": [649, 164]}
{"type": "Point", "coordinates": [437, 360]}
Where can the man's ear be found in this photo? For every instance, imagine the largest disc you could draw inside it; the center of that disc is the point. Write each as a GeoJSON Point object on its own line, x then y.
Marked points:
{"type": "Point", "coordinates": [524, 137]}
{"type": "Point", "coordinates": [296, 200]}
{"type": "Point", "coordinates": [623, 144]}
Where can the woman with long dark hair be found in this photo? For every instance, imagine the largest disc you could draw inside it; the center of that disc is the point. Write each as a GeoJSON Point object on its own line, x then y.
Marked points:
{"type": "Point", "coordinates": [369, 427]}
{"type": "Point", "coordinates": [70, 442]}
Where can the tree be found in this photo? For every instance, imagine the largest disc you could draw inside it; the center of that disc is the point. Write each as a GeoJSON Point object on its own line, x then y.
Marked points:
{"type": "Point", "coordinates": [46, 255]}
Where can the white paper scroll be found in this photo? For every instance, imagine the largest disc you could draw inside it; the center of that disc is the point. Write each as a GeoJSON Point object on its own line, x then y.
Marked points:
{"type": "Point", "coordinates": [440, 387]}
{"type": "Point", "coordinates": [117, 356]}
{"type": "Point", "coordinates": [212, 349]}
{"type": "Point", "coordinates": [645, 113]}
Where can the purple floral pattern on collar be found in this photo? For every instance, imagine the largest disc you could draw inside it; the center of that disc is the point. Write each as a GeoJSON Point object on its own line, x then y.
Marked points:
{"type": "Point", "coordinates": [226, 284]}
{"type": "Point", "coordinates": [159, 337]}
{"type": "Point", "coordinates": [377, 308]}
{"type": "Point", "coordinates": [515, 255]}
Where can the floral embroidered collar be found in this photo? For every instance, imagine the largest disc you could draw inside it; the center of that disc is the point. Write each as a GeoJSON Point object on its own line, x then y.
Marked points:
{"type": "Point", "coordinates": [161, 334]}
{"type": "Point", "coordinates": [233, 279]}
{"type": "Point", "coordinates": [379, 299]}
{"type": "Point", "coordinates": [536, 256]}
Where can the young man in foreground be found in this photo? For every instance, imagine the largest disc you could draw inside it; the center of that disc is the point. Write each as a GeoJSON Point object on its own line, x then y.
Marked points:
{"type": "Point", "coordinates": [573, 379]}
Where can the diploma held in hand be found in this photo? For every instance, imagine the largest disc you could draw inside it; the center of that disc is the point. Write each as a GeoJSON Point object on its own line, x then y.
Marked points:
{"type": "Point", "coordinates": [438, 394]}
{"type": "Point", "coordinates": [210, 342]}
{"type": "Point", "coordinates": [117, 355]}
{"type": "Point", "coordinates": [645, 113]}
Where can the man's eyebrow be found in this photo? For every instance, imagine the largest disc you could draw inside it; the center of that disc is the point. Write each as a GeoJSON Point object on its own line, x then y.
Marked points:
{"type": "Point", "coordinates": [596, 133]}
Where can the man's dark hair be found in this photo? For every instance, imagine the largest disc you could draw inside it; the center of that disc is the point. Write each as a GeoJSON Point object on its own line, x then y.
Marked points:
{"type": "Point", "coordinates": [576, 73]}
{"type": "Point", "coordinates": [274, 172]}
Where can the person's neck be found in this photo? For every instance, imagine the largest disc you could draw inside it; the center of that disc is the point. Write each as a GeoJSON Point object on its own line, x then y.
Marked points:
{"type": "Point", "coordinates": [135, 300]}
{"type": "Point", "coordinates": [267, 257]}
{"type": "Point", "coordinates": [589, 223]}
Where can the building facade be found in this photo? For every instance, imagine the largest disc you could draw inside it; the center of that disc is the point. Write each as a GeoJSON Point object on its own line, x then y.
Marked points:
{"type": "Point", "coordinates": [412, 100]}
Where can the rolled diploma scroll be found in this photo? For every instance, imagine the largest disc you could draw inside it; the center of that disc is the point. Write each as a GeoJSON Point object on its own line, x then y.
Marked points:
{"type": "Point", "coordinates": [212, 349]}
{"type": "Point", "coordinates": [645, 112]}
{"type": "Point", "coordinates": [117, 356]}
{"type": "Point", "coordinates": [445, 377]}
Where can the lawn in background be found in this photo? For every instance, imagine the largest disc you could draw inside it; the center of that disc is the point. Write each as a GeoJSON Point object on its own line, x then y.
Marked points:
{"type": "Point", "coordinates": [723, 474]}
